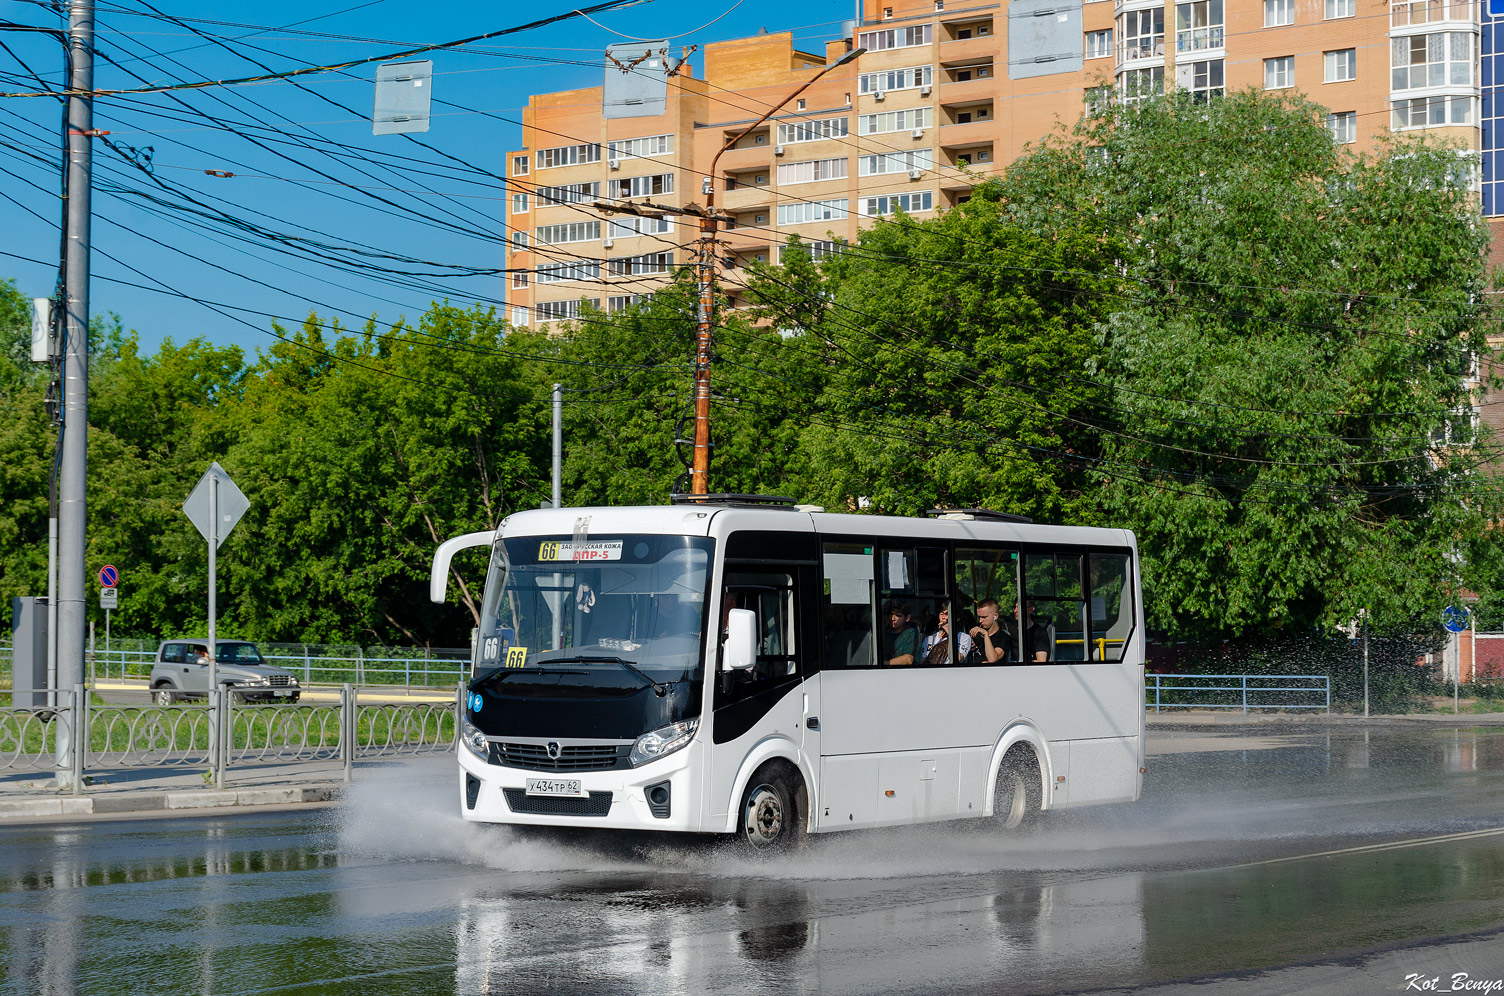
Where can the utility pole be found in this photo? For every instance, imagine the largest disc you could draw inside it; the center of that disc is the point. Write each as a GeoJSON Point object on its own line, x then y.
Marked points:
{"type": "Point", "coordinates": [73, 469]}
{"type": "Point", "coordinates": [705, 313]}
{"type": "Point", "coordinates": [558, 489]}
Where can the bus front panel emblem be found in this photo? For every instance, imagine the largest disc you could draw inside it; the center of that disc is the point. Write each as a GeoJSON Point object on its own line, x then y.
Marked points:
{"type": "Point", "coordinates": [553, 750]}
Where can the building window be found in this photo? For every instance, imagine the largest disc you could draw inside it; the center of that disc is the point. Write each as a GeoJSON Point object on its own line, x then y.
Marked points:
{"type": "Point", "coordinates": [626, 228]}
{"type": "Point", "coordinates": [890, 121]}
{"type": "Point", "coordinates": [553, 273]}
{"type": "Point", "coordinates": [568, 193]}
{"type": "Point", "coordinates": [1344, 127]}
{"type": "Point", "coordinates": [877, 41]}
{"type": "Point", "coordinates": [818, 250]}
{"type": "Point", "coordinates": [1099, 44]}
{"type": "Point", "coordinates": [894, 79]}
{"type": "Point", "coordinates": [1441, 59]}
{"type": "Point", "coordinates": [519, 241]}
{"type": "Point", "coordinates": [1203, 79]}
{"type": "Point", "coordinates": [1199, 26]}
{"type": "Point", "coordinates": [519, 203]}
{"type": "Point", "coordinates": [1341, 65]}
{"type": "Point", "coordinates": [1143, 33]}
{"type": "Point", "coordinates": [793, 132]}
{"type": "Point", "coordinates": [549, 311]}
{"type": "Point", "coordinates": [875, 207]}
{"type": "Point", "coordinates": [519, 165]}
{"type": "Point", "coordinates": [519, 315]}
{"type": "Point", "coordinates": [639, 148]}
{"type": "Point", "coordinates": [568, 155]}
{"type": "Point", "coordinates": [1279, 73]}
{"type": "Point", "coordinates": [1406, 12]}
{"type": "Point", "coordinates": [804, 212]}
{"type": "Point", "coordinates": [800, 105]}
{"type": "Point", "coordinates": [811, 170]}
{"type": "Point", "coordinates": [1277, 12]}
{"type": "Point", "coordinates": [519, 278]}
{"type": "Point", "coordinates": [895, 162]}
{"type": "Point", "coordinates": [1341, 8]}
{"type": "Point", "coordinates": [636, 266]}
{"type": "Point", "coordinates": [641, 186]}
{"type": "Point", "coordinates": [1098, 101]}
{"type": "Point", "coordinates": [622, 302]}
{"type": "Point", "coordinates": [575, 231]}
{"type": "Point", "coordinates": [1141, 83]}
{"type": "Point", "coordinates": [1431, 112]}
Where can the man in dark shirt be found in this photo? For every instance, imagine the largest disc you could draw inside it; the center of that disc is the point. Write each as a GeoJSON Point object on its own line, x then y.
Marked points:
{"type": "Point", "coordinates": [989, 635]}
{"type": "Point", "coordinates": [1036, 637]}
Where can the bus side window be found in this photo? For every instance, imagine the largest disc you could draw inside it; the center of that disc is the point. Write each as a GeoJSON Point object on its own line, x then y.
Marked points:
{"type": "Point", "coordinates": [1052, 591]}
{"type": "Point", "coordinates": [847, 577]}
{"type": "Point", "coordinates": [983, 574]}
{"type": "Point", "coordinates": [1111, 605]}
{"type": "Point", "coordinates": [771, 597]}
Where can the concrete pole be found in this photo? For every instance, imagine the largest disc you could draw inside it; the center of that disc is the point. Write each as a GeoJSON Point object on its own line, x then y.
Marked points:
{"type": "Point", "coordinates": [216, 694]}
{"type": "Point", "coordinates": [558, 444]}
{"type": "Point", "coordinates": [1365, 663]}
{"type": "Point", "coordinates": [73, 468]}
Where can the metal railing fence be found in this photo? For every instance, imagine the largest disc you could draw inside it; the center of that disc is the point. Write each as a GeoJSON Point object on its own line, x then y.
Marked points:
{"type": "Point", "coordinates": [1238, 691]}
{"type": "Point", "coordinates": [81, 735]}
{"type": "Point", "coordinates": [331, 664]}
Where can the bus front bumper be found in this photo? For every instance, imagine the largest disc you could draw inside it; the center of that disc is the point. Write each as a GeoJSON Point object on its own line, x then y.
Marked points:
{"type": "Point", "coordinates": [660, 795]}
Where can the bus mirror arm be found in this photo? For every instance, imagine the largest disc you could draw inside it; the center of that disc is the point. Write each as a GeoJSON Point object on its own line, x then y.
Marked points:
{"type": "Point", "coordinates": [438, 579]}
{"type": "Point", "coordinates": [739, 650]}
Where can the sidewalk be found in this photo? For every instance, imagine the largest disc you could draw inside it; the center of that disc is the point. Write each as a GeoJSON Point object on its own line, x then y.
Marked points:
{"type": "Point", "coordinates": [315, 694]}
{"type": "Point", "coordinates": [33, 796]}
{"type": "Point", "coordinates": [1192, 718]}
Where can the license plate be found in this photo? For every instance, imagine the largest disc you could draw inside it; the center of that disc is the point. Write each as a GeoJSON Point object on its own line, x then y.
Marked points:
{"type": "Point", "coordinates": [282, 691]}
{"type": "Point", "coordinates": [566, 787]}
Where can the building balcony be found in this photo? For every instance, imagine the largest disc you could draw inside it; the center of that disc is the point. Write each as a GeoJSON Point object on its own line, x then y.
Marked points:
{"type": "Point", "coordinates": [968, 92]}
{"type": "Point", "coordinates": [741, 199]}
{"type": "Point", "coordinates": [974, 133]}
{"type": "Point", "coordinates": [968, 50]}
{"type": "Point", "coordinates": [749, 158]}
{"type": "Point", "coordinates": [745, 240]}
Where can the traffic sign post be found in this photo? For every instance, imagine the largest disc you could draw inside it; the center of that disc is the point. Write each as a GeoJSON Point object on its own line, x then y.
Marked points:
{"type": "Point", "coordinates": [109, 577]}
{"type": "Point", "coordinates": [1456, 619]}
{"type": "Point", "coordinates": [214, 507]}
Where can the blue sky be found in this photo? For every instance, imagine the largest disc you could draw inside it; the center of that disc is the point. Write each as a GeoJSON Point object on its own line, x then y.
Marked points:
{"type": "Point", "coordinates": [308, 170]}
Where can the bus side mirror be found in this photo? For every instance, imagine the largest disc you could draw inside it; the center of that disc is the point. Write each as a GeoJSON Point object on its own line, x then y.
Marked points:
{"type": "Point", "coordinates": [739, 651]}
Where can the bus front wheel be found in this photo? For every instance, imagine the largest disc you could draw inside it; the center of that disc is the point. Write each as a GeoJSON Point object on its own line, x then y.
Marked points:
{"type": "Point", "coordinates": [1016, 802]}
{"type": "Point", "coordinates": [770, 819]}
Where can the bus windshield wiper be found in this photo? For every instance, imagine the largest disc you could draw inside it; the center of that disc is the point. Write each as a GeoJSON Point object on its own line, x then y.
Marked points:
{"type": "Point", "coordinates": [657, 686]}
{"type": "Point", "coordinates": [502, 672]}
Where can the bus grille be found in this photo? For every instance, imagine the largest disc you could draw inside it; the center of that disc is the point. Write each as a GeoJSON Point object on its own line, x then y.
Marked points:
{"type": "Point", "coordinates": [518, 801]}
{"type": "Point", "coordinates": [572, 757]}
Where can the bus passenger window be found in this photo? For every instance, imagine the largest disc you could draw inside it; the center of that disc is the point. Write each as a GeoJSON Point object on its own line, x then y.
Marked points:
{"type": "Point", "coordinates": [1111, 605]}
{"type": "Point", "coordinates": [846, 604]}
{"type": "Point", "coordinates": [983, 574]}
{"type": "Point", "coordinates": [1052, 593]}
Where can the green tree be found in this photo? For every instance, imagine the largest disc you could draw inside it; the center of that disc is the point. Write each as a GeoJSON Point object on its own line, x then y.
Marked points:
{"type": "Point", "coordinates": [1294, 329]}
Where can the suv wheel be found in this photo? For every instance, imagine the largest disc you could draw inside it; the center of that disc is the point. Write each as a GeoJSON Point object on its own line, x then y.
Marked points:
{"type": "Point", "coordinates": [163, 696]}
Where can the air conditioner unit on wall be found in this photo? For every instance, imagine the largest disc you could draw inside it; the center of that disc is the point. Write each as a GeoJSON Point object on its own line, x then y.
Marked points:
{"type": "Point", "coordinates": [918, 132]}
{"type": "Point", "coordinates": [878, 95]}
{"type": "Point", "coordinates": [915, 174]}
{"type": "Point", "coordinates": [614, 163]}
{"type": "Point", "coordinates": [924, 91]}
{"type": "Point", "coordinates": [777, 150]}
{"type": "Point", "coordinates": [606, 243]}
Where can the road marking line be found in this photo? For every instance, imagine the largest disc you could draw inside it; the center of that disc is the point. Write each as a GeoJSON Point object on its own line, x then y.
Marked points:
{"type": "Point", "coordinates": [1370, 848]}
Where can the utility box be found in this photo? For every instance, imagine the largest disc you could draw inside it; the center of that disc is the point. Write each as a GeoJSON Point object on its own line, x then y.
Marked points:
{"type": "Point", "coordinates": [29, 651]}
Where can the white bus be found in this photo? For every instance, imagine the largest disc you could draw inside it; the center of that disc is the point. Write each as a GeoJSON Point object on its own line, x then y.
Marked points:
{"type": "Point", "coordinates": [768, 670]}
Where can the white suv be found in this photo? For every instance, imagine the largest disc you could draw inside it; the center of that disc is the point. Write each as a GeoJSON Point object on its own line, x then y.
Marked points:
{"type": "Point", "coordinates": [181, 671]}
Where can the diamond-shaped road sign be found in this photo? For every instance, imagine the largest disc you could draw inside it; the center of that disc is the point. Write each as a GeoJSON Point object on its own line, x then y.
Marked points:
{"type": "Point", "coordinates": [232, 504]}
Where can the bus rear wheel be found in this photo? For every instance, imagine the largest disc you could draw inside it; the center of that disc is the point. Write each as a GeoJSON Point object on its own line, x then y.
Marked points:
{"type": "Point", "coordinates": [1016, 802]}
{"type": "Point", "coordinates": [769, 813]}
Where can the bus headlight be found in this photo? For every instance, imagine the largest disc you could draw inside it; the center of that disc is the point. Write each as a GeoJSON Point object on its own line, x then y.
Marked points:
{"type": "Point", "coordinates": [652, 746]}
{"type": "Point", "coordinates": [474, 739]}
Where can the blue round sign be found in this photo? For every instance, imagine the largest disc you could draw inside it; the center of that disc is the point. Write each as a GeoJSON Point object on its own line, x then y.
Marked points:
{"type": "Point", "coordinates": [108, 576]}
{"type": "Point", "coordinates": [1456, 618]}
{"type": "Point", "coordinates": [475, 702]}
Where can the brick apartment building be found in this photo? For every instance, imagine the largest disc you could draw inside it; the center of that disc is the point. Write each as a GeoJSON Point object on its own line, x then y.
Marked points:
{"type": "Point", "coordinates": [947, 92]}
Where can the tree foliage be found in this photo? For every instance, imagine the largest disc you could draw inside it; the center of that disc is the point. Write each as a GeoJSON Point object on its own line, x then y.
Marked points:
{"type": "Point", "coordinates": [1202, 321]}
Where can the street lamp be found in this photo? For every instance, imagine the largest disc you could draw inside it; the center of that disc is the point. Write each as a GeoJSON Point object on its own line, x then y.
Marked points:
{"type": "Point", "coordinates": [700, 470]}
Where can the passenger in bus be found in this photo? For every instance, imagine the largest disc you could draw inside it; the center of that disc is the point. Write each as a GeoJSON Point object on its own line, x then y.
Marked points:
{"type": "Point", "coordinates": [937, 644]}
{"type": "Point", "coordinates": [901, 641]}
{"type": "Point", "coordinates": [993, 641]}
{"type": "Point", "coordinates": [1036, 636]}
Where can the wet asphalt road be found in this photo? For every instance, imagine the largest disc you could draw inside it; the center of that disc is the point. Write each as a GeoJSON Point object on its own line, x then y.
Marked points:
{"type": "Point", "coordinates": [1298, 862]}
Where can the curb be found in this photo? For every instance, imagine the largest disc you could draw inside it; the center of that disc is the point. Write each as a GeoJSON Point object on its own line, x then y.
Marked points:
{"type": "Point", "coordinates": [149, 802]}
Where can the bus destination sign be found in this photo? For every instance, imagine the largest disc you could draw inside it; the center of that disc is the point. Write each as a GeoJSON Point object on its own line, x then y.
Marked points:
{"type": "Point", "coordinates": [556, 550]}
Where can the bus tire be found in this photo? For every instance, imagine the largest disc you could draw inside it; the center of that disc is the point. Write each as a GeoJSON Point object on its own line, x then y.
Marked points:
{"type": "Point", "coordinates": [770, 818]}
{"type": "Point", "coordinates": [1016, 797]}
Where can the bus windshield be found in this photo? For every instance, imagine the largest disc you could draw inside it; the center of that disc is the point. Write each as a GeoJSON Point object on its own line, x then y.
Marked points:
{"type": "Point", "coordinates": [628, 599]}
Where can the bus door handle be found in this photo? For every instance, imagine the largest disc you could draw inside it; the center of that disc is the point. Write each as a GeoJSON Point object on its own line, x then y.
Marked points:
{"type": "Point", "coordinates": [813, 723]}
